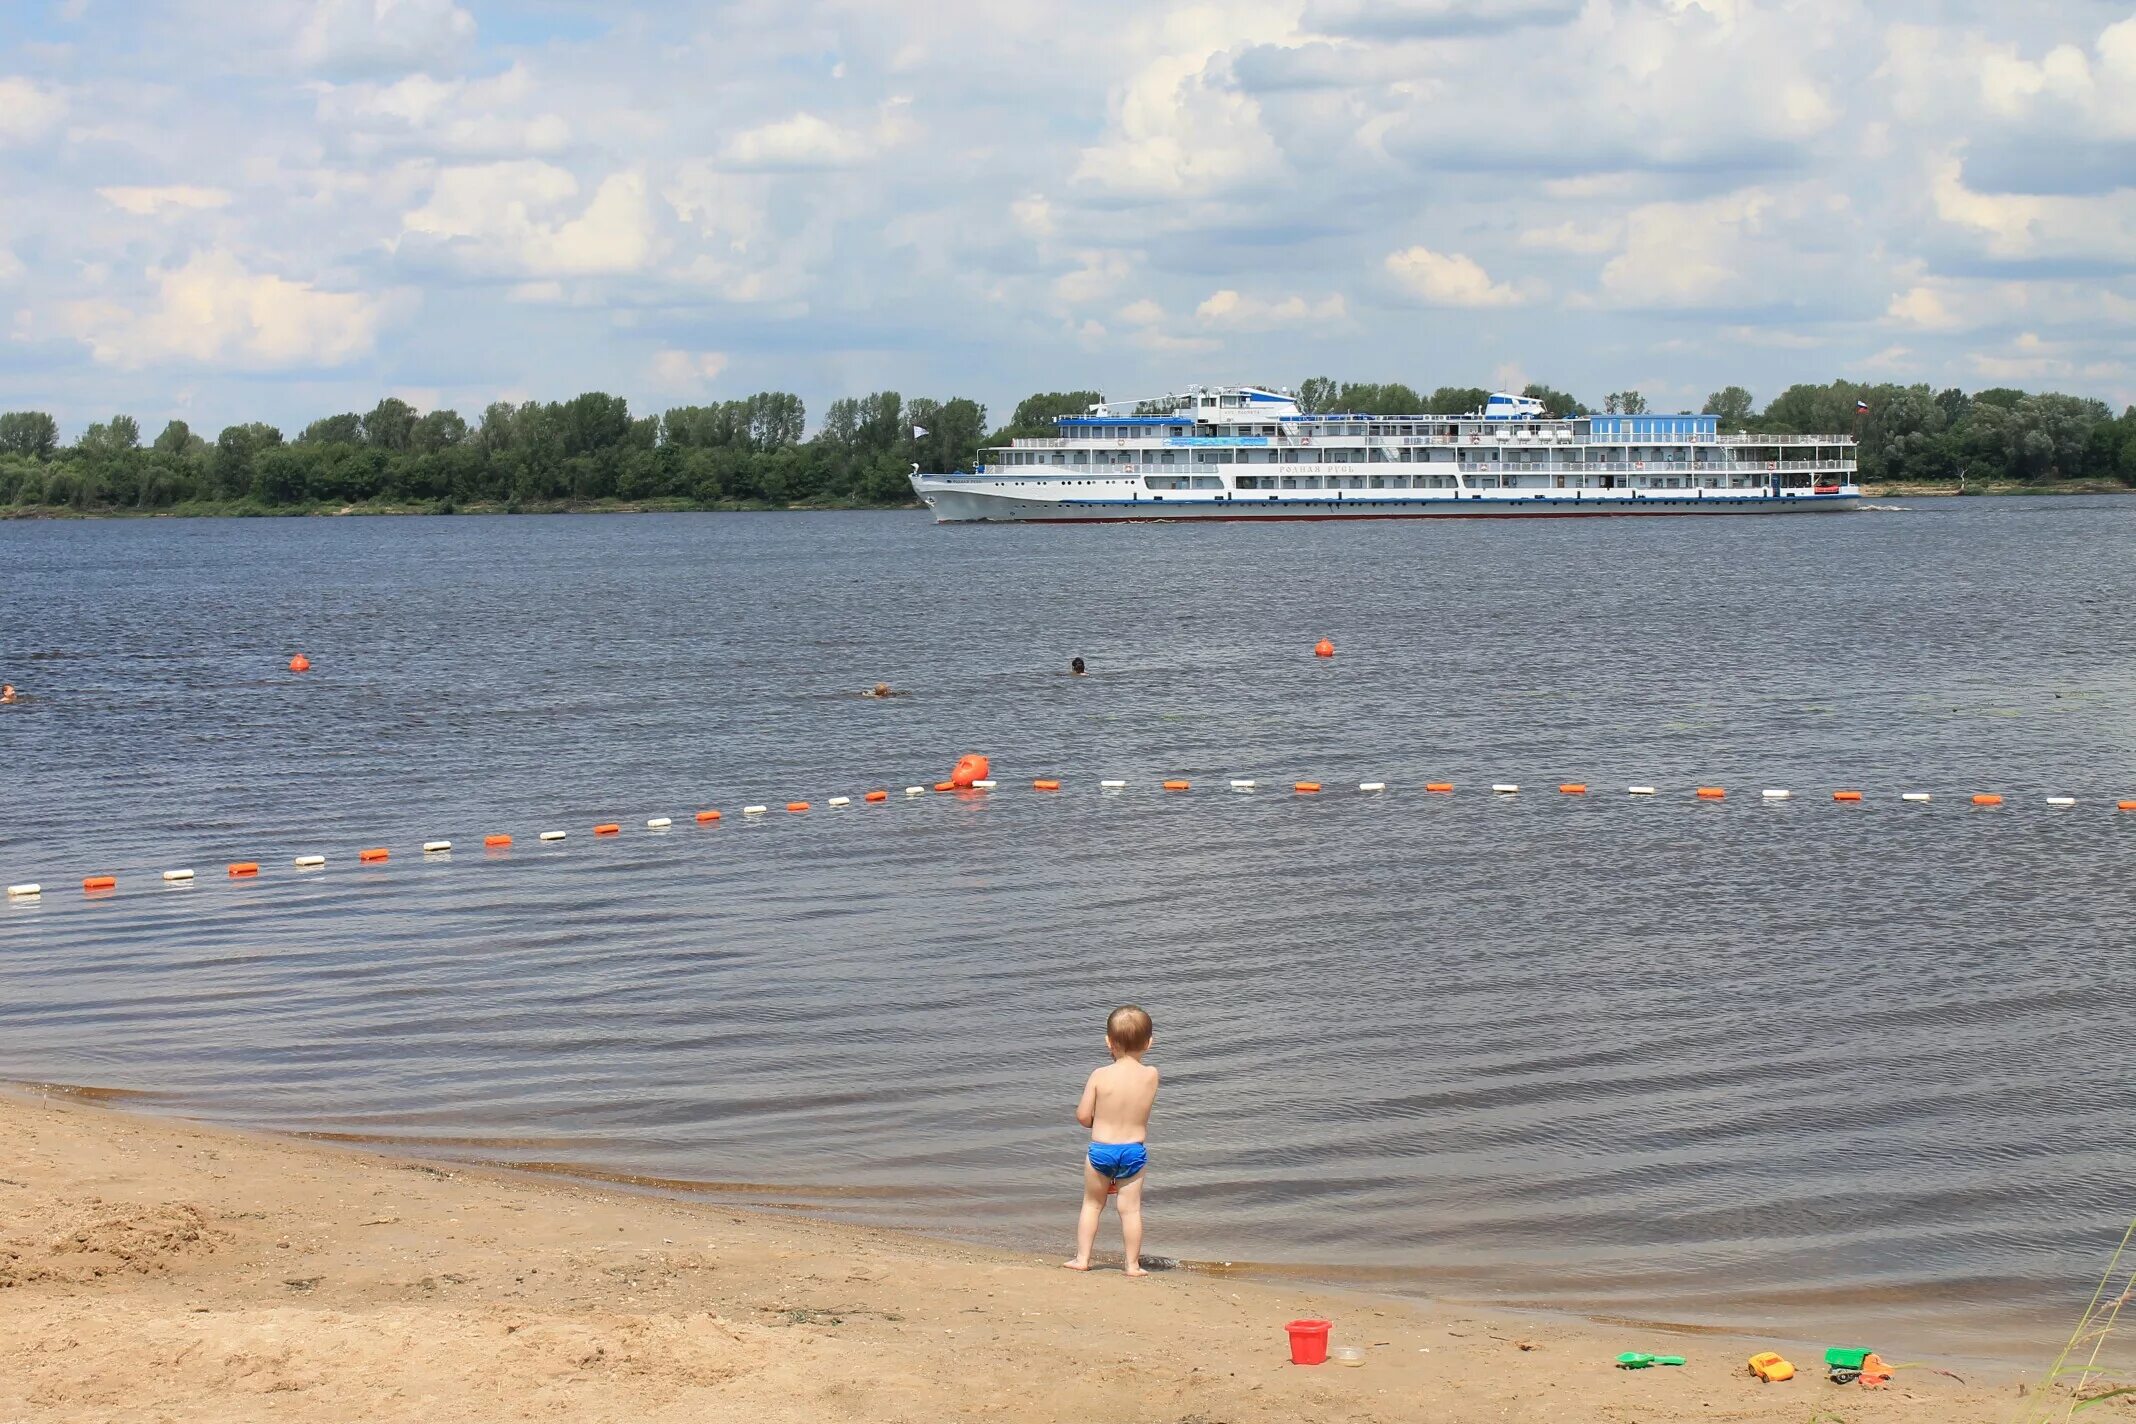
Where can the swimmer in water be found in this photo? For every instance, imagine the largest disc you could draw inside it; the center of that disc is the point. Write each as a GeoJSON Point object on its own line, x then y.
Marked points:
{"type": "Point", "coordinates": [7, 692]}
{"type": "Point", "coordinates": [1075, 666]}
{"type": "Point", "coordinates": [881, 689]}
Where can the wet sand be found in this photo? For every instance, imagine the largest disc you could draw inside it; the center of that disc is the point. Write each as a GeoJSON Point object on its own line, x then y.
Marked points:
{"type": "Point", "coordinates": [161, 1270]}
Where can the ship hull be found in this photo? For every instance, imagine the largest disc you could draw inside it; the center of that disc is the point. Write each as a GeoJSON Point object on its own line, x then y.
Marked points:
{"type": "Point", "coordinates": [963, 504]}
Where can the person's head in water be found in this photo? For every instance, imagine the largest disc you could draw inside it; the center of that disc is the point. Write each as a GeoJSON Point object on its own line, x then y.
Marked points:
{"type": "Point", "coordinates": [7, 692]}
{"type": "Point", "coordinates": [882, 689]}
{"type": "Point", "coordinates": [1075, 665]}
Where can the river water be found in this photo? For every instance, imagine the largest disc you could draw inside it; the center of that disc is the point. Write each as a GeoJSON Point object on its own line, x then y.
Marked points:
{"type": "Point", "coordinates": [1800, 1067]}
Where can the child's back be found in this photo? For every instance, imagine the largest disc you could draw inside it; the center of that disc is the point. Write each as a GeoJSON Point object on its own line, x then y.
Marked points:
{"type": "Point", "coordinates": [1123, 1093]}
{"type": "Point", "coordinates": [1116, 1107]}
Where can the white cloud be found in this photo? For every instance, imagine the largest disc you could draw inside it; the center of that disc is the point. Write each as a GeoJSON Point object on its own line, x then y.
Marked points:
{"type": "Point", "coordinates": [1099, 276]}
{"type": "Point", "coordinates": [2028, 358]}
{"type": "Point", "coordinates": [1584, 239]}
{"type": "Point", "coordinates": [1227, 309]}
{"type": "Point", "coordinates": [372, 36]}
{"type": "Point", "coordinates": [177, 197]}
{"type": "Point", "coordinates": [810, 141]}
{"type": "Point", "coordinates": [27, 109]}
{"type": "Point", "coordinates": [505, 114]}
{"type": "Point", "coordinates": [1695, 254]}
{"type": "Point", "coordinates": [1179, 126]}
{"type": "Point", "coordinates": [523, 217]}
{"type": "Point", "coordinates": [11, 268]}
{"type": "Point", "coordinates": [1034, 215]}
{"type": "Point", "coordinates": [213, 310]}
{"type": "Point", "coordinates": [1448, 279]}
{"type": "Point", "coordinates": [1923, 305]}
{"type": "Point", "coordinates": [685, 371]}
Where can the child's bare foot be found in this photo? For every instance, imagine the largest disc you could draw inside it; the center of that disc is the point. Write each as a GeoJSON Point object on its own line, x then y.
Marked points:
{"type": "Point", "coordinates": [1076, 1265]}
{"type": "Point", "coordinates": [1133, 1268]}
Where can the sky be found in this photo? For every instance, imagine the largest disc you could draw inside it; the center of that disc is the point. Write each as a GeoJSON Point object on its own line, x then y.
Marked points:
{"type": "Point", "coordinates": [228, 210]}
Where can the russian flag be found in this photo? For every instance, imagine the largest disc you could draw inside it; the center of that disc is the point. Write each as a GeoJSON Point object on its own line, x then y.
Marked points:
{"type": "Point", "coordinates": [1861, 407]}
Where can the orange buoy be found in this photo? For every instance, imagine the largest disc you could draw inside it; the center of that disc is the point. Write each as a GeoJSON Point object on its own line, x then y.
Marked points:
{"type": "Point", "coordinates": [1987, 798]}
{"type": "Point", "coordinates": [1572, 788]}
{"type": "Point", "coordinates": [1306, 787]}
{"type": "Point", "coordinates": [300, 663]}
{"type": "Point", "coordinates": [496, 842]}
{"type": "Point", "coordinates": [2125, 805]}
{"type": "Point", "coordinates": [1711, 793]}
{"type": "Point", "coordinates": [100, 882]}
{"type": "Point", "coordinates": [608, 828]}
{"type": "Point", "coordinates": [1846, 796]}
{"type": "Point", "coordinates": [876, 796]}
{"type": "Point", "coordinates": [705, 818]}
{"type": "Point", "coordinates": [1438, 786]}
{"type": "Point", "coordinates": [374, 854]}
{"type": "Point", "coordinates": [242, 868]}
{"type": "Point", "coordinates": [1045, 783]}
{"type": "Point", "coordinates": [1323, 649]}
{"type": "Point", "coordinates": [970, 767]}
{"type": "Point", "coordinates": [1177, 785]}
{"type": "Point", "coordinates": [797, 806]}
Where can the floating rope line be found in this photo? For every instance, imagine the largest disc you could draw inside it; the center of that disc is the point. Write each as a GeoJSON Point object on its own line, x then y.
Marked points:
{"type": "Point", "coordinates": [1504, 791]}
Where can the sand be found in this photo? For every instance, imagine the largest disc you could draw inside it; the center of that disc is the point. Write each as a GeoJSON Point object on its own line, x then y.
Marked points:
{"type": "Point", "coordinates": [152, 1269]}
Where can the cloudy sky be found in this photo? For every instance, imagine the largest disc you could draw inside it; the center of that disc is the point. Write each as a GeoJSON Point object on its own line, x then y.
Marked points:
{"type": "Point", "coordinates": [236, 209]}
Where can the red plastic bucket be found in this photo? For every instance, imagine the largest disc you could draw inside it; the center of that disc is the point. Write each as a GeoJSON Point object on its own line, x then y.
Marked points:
{"type": "Point", "coordinates": [1309, 1341]}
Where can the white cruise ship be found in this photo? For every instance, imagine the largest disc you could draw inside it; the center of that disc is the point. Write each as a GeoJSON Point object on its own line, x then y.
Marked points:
{"type": "Point", "coordinates": [1247, 452]}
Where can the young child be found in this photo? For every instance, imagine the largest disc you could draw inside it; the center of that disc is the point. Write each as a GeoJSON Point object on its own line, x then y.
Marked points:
{"type": "Point", "coordinates": [1116, 1108]}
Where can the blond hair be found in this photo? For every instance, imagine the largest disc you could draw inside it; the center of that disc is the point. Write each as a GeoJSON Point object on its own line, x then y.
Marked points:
{"type": "Point", "coordinates": [1129, 1028]}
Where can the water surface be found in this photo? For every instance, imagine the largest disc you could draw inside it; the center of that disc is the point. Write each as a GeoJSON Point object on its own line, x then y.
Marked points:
{"type": "Point", "coordinates": [1794, 1066]}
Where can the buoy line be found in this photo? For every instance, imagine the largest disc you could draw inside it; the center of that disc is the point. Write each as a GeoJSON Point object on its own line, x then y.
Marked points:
{"type": "Point", "coordinates": [970, 779]}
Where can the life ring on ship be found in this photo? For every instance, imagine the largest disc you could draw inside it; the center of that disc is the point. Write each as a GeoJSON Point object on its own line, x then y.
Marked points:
{"type": "Point", "coordinates": [1127, 469]}
{"type": "Point", "coordinates": [1638, 464]}
{"type": "Point", "coordinates": [1772, 464]}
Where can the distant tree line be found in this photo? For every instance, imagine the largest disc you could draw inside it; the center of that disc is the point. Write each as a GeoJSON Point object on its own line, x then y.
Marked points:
{"type": "Point", "coordinates": [740, 453]}
{"type": "Point", "coordinates": [756, 452]}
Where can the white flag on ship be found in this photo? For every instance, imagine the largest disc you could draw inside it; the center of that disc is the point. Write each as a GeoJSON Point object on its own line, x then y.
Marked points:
{"type": "Point", "coordinates": [918, 431]}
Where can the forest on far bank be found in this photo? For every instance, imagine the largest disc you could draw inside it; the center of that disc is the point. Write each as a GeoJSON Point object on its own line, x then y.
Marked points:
{"type": "Point", "coordinates": [756, 452]}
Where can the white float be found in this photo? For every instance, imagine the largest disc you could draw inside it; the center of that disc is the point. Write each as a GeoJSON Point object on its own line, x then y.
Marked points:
{"type": "Point", "coordinates": [659, 823]}
{"type": "Point", "coordinates": [177, 876]}
{"type": "Point", "coordinates": [1639, 790]}
{"type": "Point", "coordinates": [1242, 786]}
{"type": "Point", "coordinates": [985, 784]}
{"type": "Point", "coordinates": [754, 810]}
{"type": "Point", "coordinates": [1772, 795]}
{"type": "Point", "coordinates": [915, 791]}
{"type": "Point", "coordinates": [552, 835]}
{"type": "Point", "coordinates": [436, 847]}
{"type": "Point", "coordinates": [309, 862]}
{"type": "Point", "coordinates": [23, 892]}
{"type": "Point", "coordinates": [2061, 800]}
{"type": "Point", "coordinates": [841, 801]}
{"type": "Point", "coordinates": [1371, 786]}
{"type": "Point", "coordinates": [1504, 788]}
{"type": "Point", "coordinates": [1914, 796]}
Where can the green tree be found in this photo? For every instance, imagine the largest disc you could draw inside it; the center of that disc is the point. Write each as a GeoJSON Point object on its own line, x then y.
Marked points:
{"type": "Point", "coordinates": [29, 432]}
{"type": "Point", "coordinates": [390, 425]}
{"type": "Point", "coordinates": [1624, 403]}
{"type": "Point", "coordinates": [343, 429]}
{"type": "Point", "coordinates": [177, 439]}
{"type": "Point", "coordinates": [1034, 414]}
{"type": "Point", "coordinates": [1732, 406]}
{"type": "Point", "coordinates": [439, 430]}
{"type": "Point", "coordinates": [1456, 400]}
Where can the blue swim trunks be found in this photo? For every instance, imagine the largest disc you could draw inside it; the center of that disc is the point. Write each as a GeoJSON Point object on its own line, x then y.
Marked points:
{"type": "Point", "coordinates": [1119, 1161]}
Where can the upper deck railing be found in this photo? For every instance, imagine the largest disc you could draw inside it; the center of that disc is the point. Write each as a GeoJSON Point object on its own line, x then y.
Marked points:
{"type": "Point", "coordinates": [1291, 439]}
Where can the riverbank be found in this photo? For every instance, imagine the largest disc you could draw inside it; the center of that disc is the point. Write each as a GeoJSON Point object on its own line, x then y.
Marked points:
{"type": "Point", "coordinates": [252, 509]}
{"type": "Point", "coordinates": [152, 1269]}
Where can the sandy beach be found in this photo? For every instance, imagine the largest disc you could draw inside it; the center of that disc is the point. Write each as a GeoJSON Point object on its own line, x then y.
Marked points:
{"type": "Point", "coordinates": [160, 1270]}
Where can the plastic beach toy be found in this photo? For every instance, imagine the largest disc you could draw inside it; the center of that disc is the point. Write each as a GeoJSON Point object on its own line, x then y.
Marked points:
{"type": "Point", "coordinates": [1634, 1360]}
{"type": "Point", "coordinates": [1351, 1355]}
{"type": "Point", "coordinates": [1770, 1368]}
{"type": "Point", "coordinates": [1309, 1341]}
{"type": "Point", "coordinates": [1849, 1364]}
